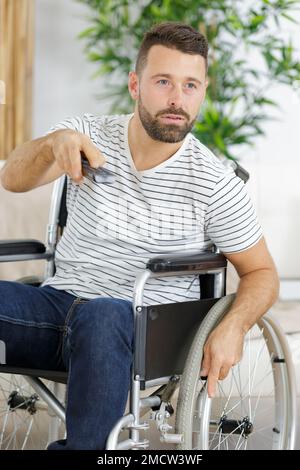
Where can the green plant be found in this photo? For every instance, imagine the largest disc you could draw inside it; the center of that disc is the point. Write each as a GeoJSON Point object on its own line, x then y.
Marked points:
{"type": "Point", "coordinates": [248, 54]}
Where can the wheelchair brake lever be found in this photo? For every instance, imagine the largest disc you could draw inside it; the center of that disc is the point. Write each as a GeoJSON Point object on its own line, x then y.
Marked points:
{"type": "Point", "coordinates": [96, 175]}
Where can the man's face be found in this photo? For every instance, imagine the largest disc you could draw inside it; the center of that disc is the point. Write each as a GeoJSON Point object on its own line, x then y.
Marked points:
{"type": "Point", "coordinates": [169, 93]}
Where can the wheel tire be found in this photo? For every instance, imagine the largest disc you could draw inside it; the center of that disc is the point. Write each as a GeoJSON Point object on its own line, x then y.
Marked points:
{"type": "Point", "coordinates": [223, 422]}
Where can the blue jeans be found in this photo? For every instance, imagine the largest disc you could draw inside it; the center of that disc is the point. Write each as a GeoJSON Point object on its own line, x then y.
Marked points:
{"type": "Point", "coordinates": [46, 328]}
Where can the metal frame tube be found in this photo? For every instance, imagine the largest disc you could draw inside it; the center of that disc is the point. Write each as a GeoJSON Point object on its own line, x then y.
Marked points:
{"type": "Point", "coordinates": [52, 227]}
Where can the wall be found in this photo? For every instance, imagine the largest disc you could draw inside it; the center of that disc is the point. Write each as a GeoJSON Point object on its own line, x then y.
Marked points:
{"type": "Point", "coordinates": [62, 75]}
{"type": "Point", "coordinates": [275, 170]}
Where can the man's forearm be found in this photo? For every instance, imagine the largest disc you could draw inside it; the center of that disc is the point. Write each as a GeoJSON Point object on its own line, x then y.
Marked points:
{"type": "Point", "coordinates": [26, 165]}
{"type": "Point", "coordinates": [256, 293]}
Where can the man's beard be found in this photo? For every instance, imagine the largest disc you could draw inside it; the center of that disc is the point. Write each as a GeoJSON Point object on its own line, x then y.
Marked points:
{"type": "Point", "coordinates": [169, 133]}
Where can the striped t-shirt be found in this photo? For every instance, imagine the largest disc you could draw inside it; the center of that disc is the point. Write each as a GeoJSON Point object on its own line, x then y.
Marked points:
{"type": "Point", "coordinates": [183, 205]}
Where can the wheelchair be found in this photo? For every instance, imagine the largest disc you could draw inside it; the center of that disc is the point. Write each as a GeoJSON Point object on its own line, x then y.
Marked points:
{"type": "Point", "coordinates": [253, 408]}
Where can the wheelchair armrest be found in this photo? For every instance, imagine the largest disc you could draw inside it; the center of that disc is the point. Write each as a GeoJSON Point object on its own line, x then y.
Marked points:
{"type": "Point", "coordinates": [241, 172]}
{"type": "Point", "coordinates": [20, 250]}
{"type": "Point", "coordinates": [183, 262]}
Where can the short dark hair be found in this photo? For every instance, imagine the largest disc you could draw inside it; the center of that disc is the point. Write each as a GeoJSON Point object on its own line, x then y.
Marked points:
{"type": "Point", "coordinates": [174, 35]}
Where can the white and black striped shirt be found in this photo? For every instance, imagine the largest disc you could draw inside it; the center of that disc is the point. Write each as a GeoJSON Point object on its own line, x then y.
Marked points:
{"type": "Point", "coordinates": [186, 204]}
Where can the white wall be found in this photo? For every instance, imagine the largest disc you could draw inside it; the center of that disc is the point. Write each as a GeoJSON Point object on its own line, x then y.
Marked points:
{"type": "Point", "coordinates": [62, 75]}
{"type": "Point", "coordinates": [63, 87]}
{"type": "Point", "coordinates": [275, 174]}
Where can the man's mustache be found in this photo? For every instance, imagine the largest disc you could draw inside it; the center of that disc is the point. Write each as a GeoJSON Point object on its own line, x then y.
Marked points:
{"type": "Point", "coordinates": [177, 112]}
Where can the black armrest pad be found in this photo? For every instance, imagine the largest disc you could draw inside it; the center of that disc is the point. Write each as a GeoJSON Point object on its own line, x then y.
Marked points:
{"type": "Point", "coordinates": [21, 247]}
{"type": "Point", "coordinates": [241, 172]}
{"type": "Point", "coordinates": [199, 261]}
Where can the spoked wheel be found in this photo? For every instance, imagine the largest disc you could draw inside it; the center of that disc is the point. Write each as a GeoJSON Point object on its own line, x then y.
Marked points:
{"type": "Point", "coordinates": [25, 421]}
{"type": "Point", "coordinates": [254, 407]}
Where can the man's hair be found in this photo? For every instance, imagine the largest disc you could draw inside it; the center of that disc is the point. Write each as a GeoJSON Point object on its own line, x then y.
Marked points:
{"type": "Point", "coordinates": [174, 35]}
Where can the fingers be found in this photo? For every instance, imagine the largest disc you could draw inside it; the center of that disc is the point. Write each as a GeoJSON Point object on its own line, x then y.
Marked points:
{"type": "Point", "coordinates": [216, 372]}
{"type": "Point", "coordinates": [221, 352]}
{"type": "Point", "coordinates": [214, 369]}
{"type": "Point", "coordinates": [205, 364]}
{"type": "Point", "coordinates": [66, 147]}
{"type": "Point", "coordinates": [75, 168]}
{"type": "Point", "coordinates": [212, 379]}
{"type": "Point", "coordinates": [210, 369]}
{"type": "Point", "coordinates": [69, 160]}
{"type": "Point", "coordinates": [92, 153]}
{"type": "Point", "coordinates": [224, 371]}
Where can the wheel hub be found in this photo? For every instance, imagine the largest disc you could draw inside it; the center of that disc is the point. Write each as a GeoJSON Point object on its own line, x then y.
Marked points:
{"type": "Point", "coordinates": [19, 402]}
{"type": "Point", "coordinates": [236, 426]}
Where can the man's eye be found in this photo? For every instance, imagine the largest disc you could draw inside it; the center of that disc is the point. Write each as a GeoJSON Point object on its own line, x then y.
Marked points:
{"type": "Point", "coordinates": [191, 85]}
{"type": "Point", "coordinates": [163, 81]}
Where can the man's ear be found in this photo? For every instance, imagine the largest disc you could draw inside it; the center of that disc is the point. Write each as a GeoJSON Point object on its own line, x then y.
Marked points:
{"type": "Point", "coordinates": [206, 84]}
{"type": "Point", "coordinates": [133, 85]}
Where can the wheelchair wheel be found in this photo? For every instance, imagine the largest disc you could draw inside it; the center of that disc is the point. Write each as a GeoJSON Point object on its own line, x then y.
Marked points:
{"type": "Point", "coordinates": [254, 407]}
{"type": "Point", "coordinates": [25, 422]}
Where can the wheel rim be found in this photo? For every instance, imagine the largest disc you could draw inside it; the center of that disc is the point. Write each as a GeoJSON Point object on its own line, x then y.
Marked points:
{"type": "Point", "coordinates": [249, 410]}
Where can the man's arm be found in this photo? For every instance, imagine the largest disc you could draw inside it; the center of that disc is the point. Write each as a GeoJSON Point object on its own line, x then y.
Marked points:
{"type": "Point", "coordinates": [257, 291]}
{"type": "Point", "coordinates": [43, 160]}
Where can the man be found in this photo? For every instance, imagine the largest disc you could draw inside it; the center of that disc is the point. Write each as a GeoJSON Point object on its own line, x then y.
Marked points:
{"type": "Point", "coordinates": [170, 194]}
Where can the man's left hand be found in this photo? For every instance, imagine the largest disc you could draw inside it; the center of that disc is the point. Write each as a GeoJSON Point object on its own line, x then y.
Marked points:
{"type": "Point", "coordinates": [222, 350]}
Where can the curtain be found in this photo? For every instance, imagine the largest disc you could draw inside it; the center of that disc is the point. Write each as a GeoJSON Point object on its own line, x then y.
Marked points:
{"type": "Point", "coordinates": [16, 58]}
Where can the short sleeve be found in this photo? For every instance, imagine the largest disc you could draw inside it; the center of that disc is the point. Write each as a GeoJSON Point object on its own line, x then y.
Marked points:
{"type": "Point", "coordinates": [231, 222]}
{"type": "Point", "coordinates": [76, 123]}
{"type": "Point", "coordinates": [86, 124]}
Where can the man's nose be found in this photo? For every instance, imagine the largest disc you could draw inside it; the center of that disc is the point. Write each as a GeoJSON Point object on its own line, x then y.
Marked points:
{"type": "Point", "coordinates": [175, 97]}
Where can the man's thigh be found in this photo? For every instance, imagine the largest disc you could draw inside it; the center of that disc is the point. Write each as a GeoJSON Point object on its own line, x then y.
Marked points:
{"type": "Point", "coordinates": [31, 324]}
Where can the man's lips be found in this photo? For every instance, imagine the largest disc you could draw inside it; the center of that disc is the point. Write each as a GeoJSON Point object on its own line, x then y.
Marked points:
{"type": "Point", "coordinates": [172, 117]}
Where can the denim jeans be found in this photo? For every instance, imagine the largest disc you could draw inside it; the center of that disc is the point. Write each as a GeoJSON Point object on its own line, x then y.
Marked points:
{"type": "Point", "coordinates": [47, 328]}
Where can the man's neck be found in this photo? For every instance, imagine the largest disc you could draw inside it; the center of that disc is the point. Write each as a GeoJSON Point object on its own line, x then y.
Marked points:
{"type": "Point", "coordinates": [146, 152]}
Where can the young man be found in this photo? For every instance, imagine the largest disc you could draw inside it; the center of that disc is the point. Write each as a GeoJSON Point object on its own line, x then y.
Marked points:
{"type": "Point", "coordinates": [170, 194]}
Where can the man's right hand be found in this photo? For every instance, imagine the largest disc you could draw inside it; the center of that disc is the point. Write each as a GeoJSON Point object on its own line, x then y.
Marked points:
{"type": "Point", "coordinates": [66, 146]}
{"type": "Point", "coordinates": [43, 160]}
